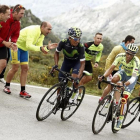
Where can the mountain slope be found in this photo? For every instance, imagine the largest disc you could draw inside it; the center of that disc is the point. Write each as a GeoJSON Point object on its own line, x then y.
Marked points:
{"type": "Point", "coordinates": [116, 21]}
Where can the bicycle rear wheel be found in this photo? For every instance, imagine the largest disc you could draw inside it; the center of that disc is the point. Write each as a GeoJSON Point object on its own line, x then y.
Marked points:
{"type": "Point", "coordinates": [48, 103]}
{"type": "Point", "coordinates": [133, 112]}
{"type": "Point", "coordinates": [71, 108]}
{"type": "Point", "coordinates": [101, 115]}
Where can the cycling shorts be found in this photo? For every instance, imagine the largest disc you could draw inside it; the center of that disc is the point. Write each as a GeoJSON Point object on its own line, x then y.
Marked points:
{"type": "Point", "coordinates": [20, 56]}
{"type": "Point", "coordinates": [88, 67]}
{"type": "Point", "coordinates": [124, 78]}
{"type": "Point", "coordinates": [69, 65]}
{"type": "Point", "coordinates": [4, 52]}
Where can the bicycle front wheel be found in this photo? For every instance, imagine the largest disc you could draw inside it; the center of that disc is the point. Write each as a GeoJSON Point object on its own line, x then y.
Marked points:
{"type": "Point", "coordinates": [133, 112]}
{"type": "Point", "coordinates": [71, 108]}
{"type": "Point", "coordinates": [101, 115]}
{"type": "Point", "coordinates": [48, 103]}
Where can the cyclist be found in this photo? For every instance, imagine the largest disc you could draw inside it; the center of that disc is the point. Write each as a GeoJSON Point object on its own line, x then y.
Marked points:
{"type": "Point", "coordinates": [73, 50]}
{"type": "Point", "coordinates": [9, 30]}
{"type": "Point", "coordinates": [128, 75]}
{"type": "Point", "coordinates": [92, 48]}
{"type": "Point", "coordinates": [4, 13]}
{"type": "Point", "coordinates": [115, 51]}
{"type": "Point", "coordinates": [31, 38]}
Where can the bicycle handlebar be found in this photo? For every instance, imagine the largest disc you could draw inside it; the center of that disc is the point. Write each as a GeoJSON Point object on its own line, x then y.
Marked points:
{"type": "Point", "coordinates": [108, 82]}
{"type": "Point", "coordinates": [67, 75]}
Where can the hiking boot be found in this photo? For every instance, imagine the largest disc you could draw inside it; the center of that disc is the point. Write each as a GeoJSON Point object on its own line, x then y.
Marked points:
{"type": "Point", "coordinates": [7, 90]}
{"type": "Point", "coordinates": [2, 80]}
{"type": "Point", "coordinates": [119, 123]}
{"type": "Point", "coordinates": [24, 94]}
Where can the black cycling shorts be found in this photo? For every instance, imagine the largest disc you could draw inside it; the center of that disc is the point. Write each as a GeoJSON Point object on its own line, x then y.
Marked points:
{"type": "Point", "coordinates": [3, 52]}
{"type": "Point", "coordinates": [88, 66]}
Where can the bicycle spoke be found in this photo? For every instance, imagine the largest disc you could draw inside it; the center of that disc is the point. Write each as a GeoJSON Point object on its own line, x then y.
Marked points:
{"type": "Point", "coordinates": [101, 115]}
{"type": "Point", "coordinates": [48, 103]}
{"type": "Point", "coordinates": [70, 109]}
{"type": "Point", "coordinates": [132, 112]}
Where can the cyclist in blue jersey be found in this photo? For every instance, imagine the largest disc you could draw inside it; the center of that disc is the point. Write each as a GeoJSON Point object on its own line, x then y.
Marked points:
{"type": "Point", "coordinates": [74, 55]}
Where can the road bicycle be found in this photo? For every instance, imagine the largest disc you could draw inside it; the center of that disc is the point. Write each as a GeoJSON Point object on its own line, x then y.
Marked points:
{"type": "Point", "coordinates": [58, 98]}
{"type": "Point", "coordinates": [133, 111]}
{"type": "Point", "coordinates": [107, 110]}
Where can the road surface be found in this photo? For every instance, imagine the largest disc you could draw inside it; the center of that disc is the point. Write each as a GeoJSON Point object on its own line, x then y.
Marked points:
{"type": "Point", "coordinates": [18, 120]}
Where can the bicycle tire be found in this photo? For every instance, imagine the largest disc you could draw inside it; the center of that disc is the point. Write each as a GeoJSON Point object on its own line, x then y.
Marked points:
{"type": "Point", "coordinates": [65, 113]}
{"type": "Point", "coordinates": [48, 103]}
{"type": "Point", "coordinates": [133, 112]}
{"type": "Point", "coordinates": [101, 114]}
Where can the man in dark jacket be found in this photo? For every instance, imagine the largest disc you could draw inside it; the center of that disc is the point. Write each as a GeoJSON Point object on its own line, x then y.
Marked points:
{"type": "Point", "coordinates": [9, 30]}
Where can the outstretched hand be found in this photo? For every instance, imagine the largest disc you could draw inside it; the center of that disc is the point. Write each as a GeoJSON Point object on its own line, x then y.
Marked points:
{"type": "Point", "coordinates": [52, 45]}
{"type": "Point", "coordinates": [43, 49]}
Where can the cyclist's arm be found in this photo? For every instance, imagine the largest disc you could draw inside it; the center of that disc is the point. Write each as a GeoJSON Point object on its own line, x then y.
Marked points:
{"type": "Point", "coordinates": [98, 56]}
{"type": "Point", "coordinates": [58, 49]}
{"type": "Point", "coordinates": [131, 80]}
{"type": "Point", "coordinates": [135, 72]}
{"type": "Point", "coordinates": [109, 71]}
{"type": "Point", "coordinates": [56, 58]}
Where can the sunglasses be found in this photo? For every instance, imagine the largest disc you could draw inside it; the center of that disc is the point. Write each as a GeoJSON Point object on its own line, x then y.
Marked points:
{"type": "Point", "coordinates": [18, 7]}
{"type": "Point", "coordinates": [75, 39]}
{"type": "Point", "coordinates": [130, 53]}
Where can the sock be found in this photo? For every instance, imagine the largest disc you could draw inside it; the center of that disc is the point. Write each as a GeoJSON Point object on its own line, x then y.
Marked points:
{"type": "Point", "coordinates": [22, 88]}
{"type": "Point", "coordinates": [7, 85]}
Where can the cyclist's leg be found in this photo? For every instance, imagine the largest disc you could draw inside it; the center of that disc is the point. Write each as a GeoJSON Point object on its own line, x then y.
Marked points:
{"type": "Point", "coordinates": [87, 78]}
{"type": "Point", "coordinates": [108, 87]}
{"type": "Point", "coordinates": [126, 94]}
{"type": "Point", "coordinates": [75, 70]}
{"type": "Point", "coordinates": [66, 68]}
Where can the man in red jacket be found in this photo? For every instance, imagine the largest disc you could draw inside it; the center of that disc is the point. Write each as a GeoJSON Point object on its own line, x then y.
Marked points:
{"type": "Point", "coordinates": [9, 30]}
{"type": "Point", "coordinates": [4, 13]}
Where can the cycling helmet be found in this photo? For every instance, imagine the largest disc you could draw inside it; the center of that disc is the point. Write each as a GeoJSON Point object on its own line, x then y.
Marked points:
{"type": "Point", "coordinates": [133, 48]}
{"type": "Point", "coordinates": [74, 32]}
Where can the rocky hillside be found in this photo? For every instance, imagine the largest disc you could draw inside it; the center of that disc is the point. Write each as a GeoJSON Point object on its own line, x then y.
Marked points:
{"type": "Point", "coordinates": [115, 22]}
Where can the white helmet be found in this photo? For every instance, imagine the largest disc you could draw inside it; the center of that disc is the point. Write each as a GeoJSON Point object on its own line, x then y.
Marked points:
{"type": "Point", "coordinates": [133, 48]}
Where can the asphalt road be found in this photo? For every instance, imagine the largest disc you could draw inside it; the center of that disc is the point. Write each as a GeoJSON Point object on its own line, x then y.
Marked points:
{"type": "Point", "coordinates": [18, 121]}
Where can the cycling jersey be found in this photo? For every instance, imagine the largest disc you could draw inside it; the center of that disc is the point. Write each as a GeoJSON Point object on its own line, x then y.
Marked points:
{"type": "Point", "coordinates": [71, 52]}
{"type": "Point", "coordinates": [30, 38]}
{"type": "Point", "coordinates": [91, 49]}
{"type": "Point", "coordinates": [129, 68]}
